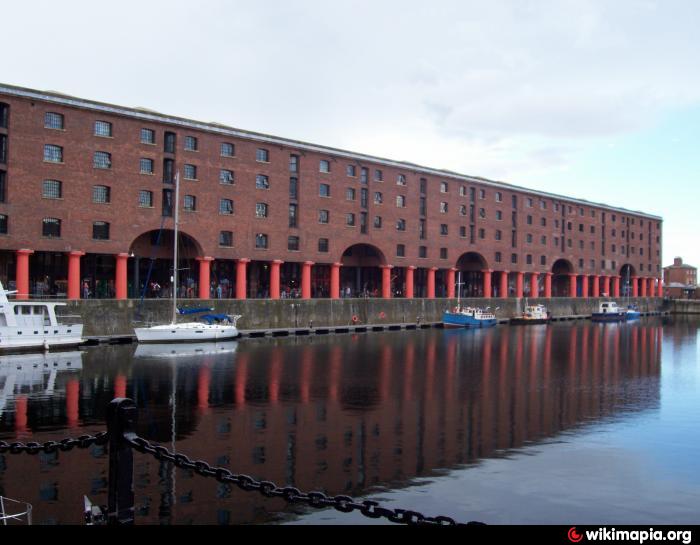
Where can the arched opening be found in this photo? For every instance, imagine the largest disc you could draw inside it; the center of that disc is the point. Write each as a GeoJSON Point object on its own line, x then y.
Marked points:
{"type": "Point", "coordinates": [561, 271]}
{"type": "Point", "coordinates": [151, 269]}
{"type": "Point", "coordinates": [627, 273]}
{"type": "Point", "coordinates": [471, 266]}
{"type": "Point", "coordinates": [360, 275]}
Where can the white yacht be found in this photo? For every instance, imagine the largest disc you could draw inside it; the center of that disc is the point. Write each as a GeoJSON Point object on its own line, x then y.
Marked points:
{"type": "Point", "coordinates": [32, 325]}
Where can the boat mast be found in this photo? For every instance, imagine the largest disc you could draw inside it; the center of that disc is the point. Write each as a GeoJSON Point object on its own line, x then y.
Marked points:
{"type": "Point", "coordinates": [174, 286]}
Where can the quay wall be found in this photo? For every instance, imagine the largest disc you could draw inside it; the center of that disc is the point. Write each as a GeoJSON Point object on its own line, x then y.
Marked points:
{"type": "Point", "coordinates": [685, 306]}
{"type": "Point", "coordinates": [108, 317]}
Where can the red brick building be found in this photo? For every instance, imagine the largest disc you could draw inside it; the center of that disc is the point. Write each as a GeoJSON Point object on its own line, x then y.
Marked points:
{"type": "Point", "coordinates": [680, 280]}
{"type": "Point", "coordinates": [87, 198]}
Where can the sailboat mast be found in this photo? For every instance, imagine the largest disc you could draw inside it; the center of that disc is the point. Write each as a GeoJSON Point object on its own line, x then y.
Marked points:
{"type": "Point", "coordinates": [174, 287]}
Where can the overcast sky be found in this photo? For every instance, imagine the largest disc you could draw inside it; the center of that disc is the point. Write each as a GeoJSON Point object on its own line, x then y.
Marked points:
{"type": "Point", "coordinates": [598, 100]}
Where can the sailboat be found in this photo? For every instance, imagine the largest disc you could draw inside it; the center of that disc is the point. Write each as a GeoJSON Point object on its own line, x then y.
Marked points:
{"type": "Point", "coordinates": [214, 327]}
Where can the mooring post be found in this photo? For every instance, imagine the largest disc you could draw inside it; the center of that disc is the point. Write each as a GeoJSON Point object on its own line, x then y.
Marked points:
{"type": "Point", "coordinates": [121, 420]}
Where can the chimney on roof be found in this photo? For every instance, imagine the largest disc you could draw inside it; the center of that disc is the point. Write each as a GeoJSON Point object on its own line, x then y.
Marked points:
{"type": "Point", "coordinates": [678, 261]}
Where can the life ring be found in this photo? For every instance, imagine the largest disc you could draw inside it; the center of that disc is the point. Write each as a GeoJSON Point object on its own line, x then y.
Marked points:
{"type": "Point", "coordinates": [382, 315]}
{"type": "Point", "coordinates": [355, 319]}
{"type": "Point", "coordinates": [455, 310]}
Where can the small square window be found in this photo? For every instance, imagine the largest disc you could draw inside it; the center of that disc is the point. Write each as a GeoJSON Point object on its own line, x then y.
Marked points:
{"type": "Point", "coordinates": [102, 160]}
{"type": "Point", "coordinates": [350, 170]}
{"type": "Point", "coordinates": [103, 128]}
{"type": "Point", "coordinates": [226, 177]}
{"type": "Point", "coordinates": [53, 120]}
{"type": "Point", "coordinates": [293, 244]}
{"type": "Point", "coordinates": [226, 238]}
{"type": "Point", "coordinates": [190, 172]}
{"type": "Point", "coordinates": [262, 155]}
{"type": "Point", "coordinates": [148, 136]}
{"type": "Point", "coordinates": [227, 149]}
{"type": "Point", "coordinates": [261, 241]}
{"type": "Point", "coordinates": [324, 190]}
{"type": "Point", "coordinates": [190, 203]}
{"type": "Point", "coordinates": [51, 227]}
{"type": "Point", "coordinates": [52, 189]}
{"type": "Point", "coordinates": [261, 210]}
{"type": "Point", "coordinates": [53, 154]}
{"type": "Point", "coordinates": [101, 194]}
{"type": "Point", "coordinates": [100, 230]}
{"type": "Point", "coordinates": [225, 206]}
{"type": "Point", "coordinates": [145, 199]}
{"type": "Point", "coordinates": [323, 216]}
{"type": "Point", "coordinates": [323, 245]}
{"type": "Point", "coordinates": [191, 143]}
{"type": "Point", "coordinates": [324, 166]}
{"type": "Point", "coordinates": [146, 166]}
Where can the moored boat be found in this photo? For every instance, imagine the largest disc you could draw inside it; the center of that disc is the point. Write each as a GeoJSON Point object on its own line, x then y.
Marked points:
{"type": "Point", "coordinates": [632, 313]}
{"type": "Point", "coordinates": [609, 311]}
{"type": "Point", "coordinates": [469, 317]}
{"type": "Point", "coordinates": [533, 314]}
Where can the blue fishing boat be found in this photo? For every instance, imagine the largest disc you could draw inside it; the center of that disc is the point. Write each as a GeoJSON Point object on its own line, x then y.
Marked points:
{"type": "Point", "coordinates": [632, 312]}
{"type": "Point", "coordinates": [469, 317]}
{"type": "Point", "coordinates": [608, 311]}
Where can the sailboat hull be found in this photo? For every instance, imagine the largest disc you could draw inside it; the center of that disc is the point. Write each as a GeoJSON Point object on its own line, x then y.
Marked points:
{"type": "Point", "coordinates": [185, 332]}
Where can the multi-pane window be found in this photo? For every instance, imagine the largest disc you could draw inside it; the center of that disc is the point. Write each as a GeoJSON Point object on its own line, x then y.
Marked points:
{"type": "Point", "coordinates": [190, 203]}
{"type": "Point", "coordinates": [528, 259]}
{"type": "Point", "coordinates": [364, 175]}
{"type": "Point", "coordinates": [293, 163]}
{"type": "Point", "coordinates": [293, 188]}
{"type": "Point", "coordinates": [103, 128]}
{"type": "Point", "coordinates": [225, 206]}
{"type": "Point", "coordinates": [226, 238]}
{"type": "Point", "coordinates": [293, 215]}
{"type": "Point", "coordinates": [324, 166]}
{"type": "Point", "coordinates": [443, 228]}
{"type": "Point", "coordinates": [324, 190]}
{"type": "Point", "coordinates": [443, 208]}
{"type": "Point", "coordinates": [102, 159]}
{"type": "Point", "coordinates": [323, 245]}
{"type": "Point", "coordinates": [463, 231]}
{"type": "Point", "coordinates": [226, 177]}
{"type": "Point", "coordinates": [444, 187]}
{"type": "Point", "coordinates": [378, 198]}
{"type": "Point", "coordinates": [482, 212]}
{"type": "Point", "coordinates": [499, 215]}
{"type": "Point", "coordinates": [169, 142]}
{"type": "Point", "coordinates": [400, 250]}
{"type": "Point", "coordinates": [3, 224]}
{"type": "Point", "coordinates": [100, 230]}
{"type": "Point", "coordinates": [293, 244]}
{"type": "Point", "coordinates": [443, 253]}
{"type": "Point", "coordinates": [148, 136]}
{"type": "Point", "coordinates": [499, 234]}
{"type": "Point", "coordinates": [261, 210]}
{"type": "Point", "coordinates": [377, 222]}
{"type": "Point", "coordinates": [350, 194]}
{"type": "Point", "coordinates": [499, 196]}
{"type": "Point", "coordinates": [350, 170]}
{"type": "Point", "coordinates": [262, 182]}
{"type": "Point", "coordinates": [53, 154]}
{"type": "Point", "coordinates": [378, 176]}
{"type": "Point", "coordinates": [227, 149]}
{"type": "Point", "coordinates": [146, 199]}
{"type": "Point", "coordinates": [422, 251]}
{"type": "Point", "coordinates": [401, 224]}
{"type": "Point", "coordinates": [482, 233]}
{"type": "Point", "coordinates": [513, 258]}
{"type": "Point", "coordinates": [101, 194]}
{"type": "Point", "coordinates": [350, 219]}
{"type": "Point", "coordinates": [528, 238]}
{"type": "Point", "coordinates": [463, 210]}
{"type": "Point", "coordinates": [261, 240]}
{"type": "Point", "coordinates": [498, 257]}
{"type": "Point", "coordinates": [423, 185]}
{"type": "Point", "coordinates": [191, 143]}
{"type": "Point", "coordinates": [190, 172]}
{"type": "Point", "coordinates": [400, 201]}
{"type": "Point", "coordinates": [52, 189]}
{"type": "Point", "coordinates": [53, 120]}
{"type": "Point", "coordinates": [262, 155]}
{"type": "Point", "coordinates": [51, 227]}
{"type": "Point", "coordinates": [4, 115]}
{"type": "Point", "coordinates": [401, 179]}
{"type": "Point", "coordinates": [146, 166]}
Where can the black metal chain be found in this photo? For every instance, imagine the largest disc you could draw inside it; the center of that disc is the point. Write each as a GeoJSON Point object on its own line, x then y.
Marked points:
{"type": "Point", "coordinates": [345, 504]}
{"type": "Point", "coordinates": [84, 441]}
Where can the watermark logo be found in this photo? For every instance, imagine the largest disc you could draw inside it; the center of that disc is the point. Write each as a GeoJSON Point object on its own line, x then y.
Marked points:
{"type": "Point", "coordinates": [574, 536]}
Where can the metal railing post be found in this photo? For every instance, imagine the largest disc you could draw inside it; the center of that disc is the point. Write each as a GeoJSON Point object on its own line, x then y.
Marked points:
{"type": "Point", "coordinates": [121, 420]}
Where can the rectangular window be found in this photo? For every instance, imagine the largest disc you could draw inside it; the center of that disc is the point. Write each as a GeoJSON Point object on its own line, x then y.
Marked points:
{"type": "Point", "coordinates": [377, 222]}
{"type": "Point", "coordinates": [227, 149]}
{"type": "Point", "coordinates": [400, 201]}
{"type": "Point", "coordinates": [350, 220]}
{"type": "Point", "coordinates": [168, 171]}
{"type": "Point", "coordinates": [499, 234]}
{"type": "Point", "coordinates": [100, 230]}
{"type": "Point", "coordinates": [422, 231]}
{"type": "Point", "coordinates": [350, 194]}
{"type": "Point", "coordinates": [226, 177]}
{"type": "Point", "coordinates": [364, 175]}
{"type": "Point", "coordinates": [261, 241]}
{"type": "Point", "coordinates": [293, 214]}
{"type": "Point", "coordinates": [324, 166]}
{"type": "Point", "coordinates": [324, 190]}
{"type": "Point", "coordinates": [364, 196]}
{"type": "Point", "coordinates": [378, 198]}
{"type": "Point", "coordinates": [543, 260]}
{"type": "Point", "coordinates": [423, 186]}
{"type": "Point", "coordinates": [148, 136]}
{"type": "Point", "coordinates": [52, 189]}
{"type": "Point", "coordinates": [482, 233]}
{"type": "Point", "coordinates": [190, 172]}
{"type": "Point", "coordinates": [401, 179]}
{"type": "Point", "coordinates": [3, 185]}
{"type": "Point", "coordinates": [3, 224]}
{"type": "Point", "coordinates": [363, 223]}
{"type": "Point", "coordinates": [262, 182]}
{"type": "Point", "coordinates": [226, 238]}
{"type": "Point", "coordinates": [190, 203]}
{"type": "Point", "coordinates": [4, 115]}
{"type": "Point", "coordinates": [146, 166]}
{"type": "Point", "coordinates": [323, 245]}
{"type": "Point", "coordinates": [293, 188]}
{"type": "Point", "coordinates": [443, 253]}
{"type": "Point", "coordinates": [422, 251]}
{"type": "Point", "coordinates": [145, 199]}
{"type": "Point", "coordinates": [499, 196]}
{"type": "Point", "coordinates": [103, 128]}
{"type": "Point", "coordinates": [443, 208]}
{"type": "Point", "coordinates": [102, 160]}
{"type": "Point", "coordinates": [443, 187]}
{"type": "Point", "coordinates": [261, 210]}
{"type": "Point", "coordinates": [350, 170]}
{"type": "Point", "coordinates": [101, 194]}
{"type": "Point", "coordinates": [51, 227]}
{"type": "Point", "coordinates": [53, 121]}
{"type": "Point", "coordinates": [293, 244]}
{"type": "Point", "coordinates": [401, 224]}
{"type": "Point", "coordinates": [323, 216]}
{"type": "Point", "coordinates": [513, 258]}
{"type": "Point", "coordinates": [498, 257]}
{"type": "Point", "coordinates": [463, 231]}
{"type": "Point", "coordinates": [191, 143]}
{"type": "Point", "coordinates": [378, 176]}
{"type": "Point", "coordinates": [225, 206]}
{"type": "Point", "coordinates": [443, 229]}
{"type": "Point", "coordinates": [400, 250]}
{"type": "Point", "coordinates": [169, 142]}
{"type": "Point", "coordinates": [167, 204]}
{"type": "Point", "coordinates": [262, 155]}
{"type": "Point", "coordinates": [53, 154]}
{"type": "Point", "coordinates": [422, 206]}
{"type": "Point", "coordinates": [528, 259]}
{"type": "Point", "coordinates": [3, 148]}
{"type": "Point", "coordinates": [294, 163]}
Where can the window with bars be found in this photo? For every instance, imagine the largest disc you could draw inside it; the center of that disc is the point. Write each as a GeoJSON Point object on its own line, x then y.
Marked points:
{"type": "Point", "coordinates": [145, 199]}
{"type": "Point", "coordinates": [191, 143]}
{"type": "Point", "coordinates": [53, 154]}
{"type": "Point", "coordinates": [293, 214]}
{"type": "Point", "coordinates": [226, 238]}
{"type": "Point", "coordinates": [262, 182]}
{"type": "Point", "coordinates": [190, 172]}
{"type": "Point", "coordinates": [228, 149]}
{"type": "Point", "coordinates": [101, 194]}
{"type": "Point", "coordinates": [350, 194]}
{"type": "Point", "coordinates": [146, 166]}
{"type": "Point", "coordinates": [190, 203]}
{"type": "Point", "coordinates": [102, 160]}
{"type": "Point", "coordinates": [52, 189]}
{"type": "Point", "coordinates": [100, 230]}
{"type": "Point", "coordinates": [226, 177]}
{"type": "Point", "coordinates": [148, 136]}
{"type": "Point", "coordinates": [323, 216]}
{"type": "Point", "coordinates": [103, 128]}
{"type": "Point", "coordinates": [323, 245]}
{"type": "Point", "coordinates": [262, 155]}
{"type": "Point", "coordinates": [324, 166]}
{"type": "Point", "coordinates": [260, 210]}
{"type": "Point", "coordinates": [51, 227]}
{"type": "Point", "coordinates": [52, 120]}
{"type": "Point", "coordinates": [225, 206]}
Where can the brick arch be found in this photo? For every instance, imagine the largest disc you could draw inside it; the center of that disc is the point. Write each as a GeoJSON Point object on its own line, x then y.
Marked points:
{"type": "Point", "coordinates": [472, 261]}
{"type": "Point", "coordinates": [189, 247]}
{"type": "Point", "coordinates": [362, 255]}
{"type": "Point", "coordinates": [562, 269]}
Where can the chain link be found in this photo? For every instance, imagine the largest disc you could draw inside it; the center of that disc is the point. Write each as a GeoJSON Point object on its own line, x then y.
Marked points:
{"type": "Point", "coordinates": [319, 500]}
{"type": "Point", "coordinates": [65, 445]}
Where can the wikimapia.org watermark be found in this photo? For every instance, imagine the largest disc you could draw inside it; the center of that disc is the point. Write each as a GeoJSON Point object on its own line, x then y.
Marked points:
{"type": "Point", "coordinates": [638, 536]}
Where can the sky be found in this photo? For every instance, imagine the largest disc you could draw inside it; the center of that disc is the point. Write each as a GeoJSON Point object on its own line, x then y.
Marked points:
{"type": "Point", "coordinates": [591, 99]}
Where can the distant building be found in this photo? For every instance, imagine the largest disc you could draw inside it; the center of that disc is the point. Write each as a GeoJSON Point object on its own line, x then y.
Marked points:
{"type": "Point", "coordinates": [681, 280]}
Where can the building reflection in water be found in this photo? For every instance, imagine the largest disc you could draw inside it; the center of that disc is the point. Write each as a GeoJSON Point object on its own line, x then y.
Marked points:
{"type": "Point", "coordinates": [341, 414]}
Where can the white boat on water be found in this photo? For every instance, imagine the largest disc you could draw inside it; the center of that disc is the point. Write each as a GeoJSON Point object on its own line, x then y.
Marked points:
{"type": "Point", "coordinates": [33, 325]}
{"type": "Point", "coordinates": [214, 327]}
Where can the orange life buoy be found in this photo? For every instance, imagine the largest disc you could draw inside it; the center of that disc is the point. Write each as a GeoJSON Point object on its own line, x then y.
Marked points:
{"type": "Point", "coordinates": [382, 315]}
{"type": "Point", "coordinates": [354, 319]}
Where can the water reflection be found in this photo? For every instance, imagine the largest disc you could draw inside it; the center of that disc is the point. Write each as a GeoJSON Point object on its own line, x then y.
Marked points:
{"type": "Point", "coordinates": [342, 414]}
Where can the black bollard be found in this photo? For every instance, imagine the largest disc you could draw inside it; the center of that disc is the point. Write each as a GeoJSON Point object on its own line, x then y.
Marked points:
{"type": "Point", "coordinates": [121, 420]}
